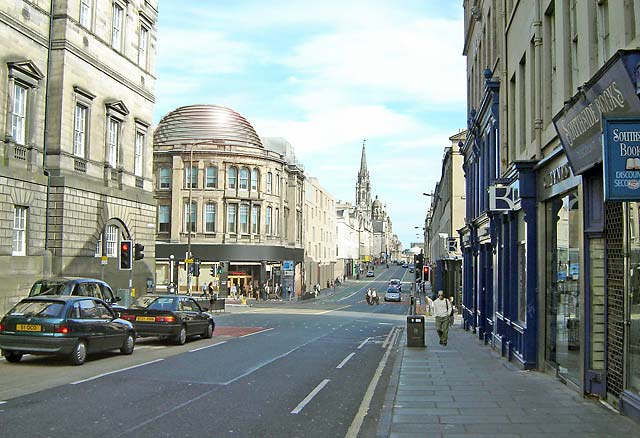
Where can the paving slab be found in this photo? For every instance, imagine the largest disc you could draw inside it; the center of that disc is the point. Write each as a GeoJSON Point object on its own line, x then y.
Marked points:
{"type": "Point", "coordinates": [467, 390]}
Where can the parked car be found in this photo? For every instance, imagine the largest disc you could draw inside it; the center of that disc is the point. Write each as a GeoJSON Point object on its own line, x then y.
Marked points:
{"type": "Point", "coordinates": [405, 265]}
{"type": "Point", "coordinates": [371, 274]}
{"type": "Point", "coordinates": [392, 294]}
{"type": "Point", "coordinates": [63, 325]}
{"type": "Point", "coordinates": [396, 283]}
{"type": "Point", "coordinates": [85, 287]}
{"type": "Point", "coordinates": [172, 317]}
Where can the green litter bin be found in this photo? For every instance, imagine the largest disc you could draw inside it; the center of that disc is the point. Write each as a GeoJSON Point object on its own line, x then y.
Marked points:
{"type": "Point", "coordinates": [415, 331]}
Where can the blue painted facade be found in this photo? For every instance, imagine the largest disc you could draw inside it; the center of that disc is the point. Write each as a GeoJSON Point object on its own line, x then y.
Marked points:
{"type": "Point", "coordinates": [499, 247]}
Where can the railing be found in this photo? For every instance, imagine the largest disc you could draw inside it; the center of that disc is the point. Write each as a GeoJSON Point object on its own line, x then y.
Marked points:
{"type": "Point", "coordinates": [80, 165]}
{"type": "Point", "coordinates": [20, 153]}
{"type": "Point", "coordinates": [139, 182]}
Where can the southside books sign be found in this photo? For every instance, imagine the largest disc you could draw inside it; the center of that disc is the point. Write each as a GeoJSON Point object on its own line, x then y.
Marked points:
{"type": "Point", "coordinates": [621, 159]}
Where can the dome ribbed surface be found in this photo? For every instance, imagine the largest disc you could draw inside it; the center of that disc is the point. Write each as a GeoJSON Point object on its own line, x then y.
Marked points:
{"type": "Point", "coordinates": [205, 123]}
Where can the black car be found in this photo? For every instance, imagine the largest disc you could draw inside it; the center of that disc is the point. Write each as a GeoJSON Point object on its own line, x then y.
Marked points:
{"type": "Point", "coordinates": [63, 325]}
{"type": "Point", "coordinates": [85, 287]}
{"type": "Point", "coordinates": [172, 317]}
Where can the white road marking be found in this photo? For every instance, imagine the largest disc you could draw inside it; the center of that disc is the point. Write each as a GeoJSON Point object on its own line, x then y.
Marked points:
{"type": "Point", "coordinates": [255, 333]}
{"type": "Point", "coordinates": [2, 402]}
{"type": "Point", "coordinates": [116, 371]}
{"type": "Point", "coordinates": [310, 397]}
{"type": "Point", "coordinates": [349, 296]}
{"type": "Point", "coordinates": [385, 323]}
{"type": "Point", "coordinates": [346, 359]}
{"type": "Point", "coordinates": [150, 347]}
{"type": "Point", "coordinates": [207, 346]}
{"type": "Point", "coordinates": [363, 343]}
{"type": "Point", "coordinates": [334, 310]}
{"type": "Point", "coordinates": [354, 429]}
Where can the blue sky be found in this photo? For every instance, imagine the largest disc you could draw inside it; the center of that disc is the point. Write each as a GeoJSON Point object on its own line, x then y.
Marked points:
{"type": "Point", "coordinates": [325, 75]}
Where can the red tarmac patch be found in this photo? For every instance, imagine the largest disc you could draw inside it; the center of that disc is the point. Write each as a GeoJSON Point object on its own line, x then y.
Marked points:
{"type": "Point", "coordinates": [236, 331]}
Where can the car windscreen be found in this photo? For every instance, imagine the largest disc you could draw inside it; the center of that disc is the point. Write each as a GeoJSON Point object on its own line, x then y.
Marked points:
{"type": "Point", "coordinates": [154, 303]}
{"type": "Point", "coordinates": [51, 309]}
{"type": "Point", "coordinates": [50, 288]}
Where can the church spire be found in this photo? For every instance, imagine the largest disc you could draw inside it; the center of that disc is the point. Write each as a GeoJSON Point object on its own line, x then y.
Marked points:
{"type": "Point", "coordinates": [363, 161]}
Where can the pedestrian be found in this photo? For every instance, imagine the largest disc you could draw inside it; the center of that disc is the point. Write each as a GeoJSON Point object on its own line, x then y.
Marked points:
{"type": "Point", "coordinates": [210, 288]}
{"type": "Point", "coordinates": [204, 289]}
{"type": "Point", "coordinates": [442, 310]}
{"type": "Point", "coordinates": [289, 293]}
{"type": "Point", "coordinates": [234, 291]}
{"type": "Point", "coordinates": [266, 292]}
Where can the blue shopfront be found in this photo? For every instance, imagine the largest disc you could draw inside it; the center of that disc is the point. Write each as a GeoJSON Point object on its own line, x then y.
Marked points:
{"type": "Point", "coordinates": [499, 240]}
{"type": "Point", "coordinates": [592, 246]}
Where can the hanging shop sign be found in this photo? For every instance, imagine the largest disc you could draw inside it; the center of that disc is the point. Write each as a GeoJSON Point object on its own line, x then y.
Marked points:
{"type": "Point", "coordinates": [504, 197]}
{"type": "Point", "coordinates": [287, 265]}
{"type": "Point", "coordinates": [621, 159]}
{"type": "Point", "coordinates": [610, 93]}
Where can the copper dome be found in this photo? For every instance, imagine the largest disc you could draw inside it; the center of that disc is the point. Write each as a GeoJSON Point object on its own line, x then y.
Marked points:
{"type": "Point", "coordinates": [205, 123]}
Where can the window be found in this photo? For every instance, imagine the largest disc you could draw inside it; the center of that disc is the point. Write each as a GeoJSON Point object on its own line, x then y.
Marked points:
{"type": "Point", "coordinates": [113, 135]}
{"type": "Point", "coordinates": [165, 178]}
{"type": "Point", "coordinates": [19, 113]}
{"type": "Point", "coordinates": [255, 219]}
{"type": "Point", "coordinates": [255, 177]}
{"type": "Point", "coordinates": [244, 179]}
{"type": "Point", "coordinates": [232, 211]}
{"type": "Point", "coordinates": [99, 246]}
{"type": "Point", "coordinates": [191, 177]}
{"type": "Point", "coordinates": [269, 177]}
{"type": "Point", "coordinates": [232, 176]}
{"type": "Point", "coordinates": [212, 177]}
{"type": "Point", "coordinates": [244, 219]}
{"type": "Point", "coordinates": [143, 43]}
{"type": "Point", "coordinates": [85, 13]}
{"type": "Point", "coordinates": [139, 147]}
{"type": "Point", "coordinates": [116, 29]}
{"type": "Point", "coordinates": [276, 220]}
{"type": "Point", "coordinates": [164, 218]}
{"type": "Point", "coordinates": [19, 230]}
{"type": "Point", "coordinates": [79, 131]}
{"type": "Point", "coordinates": [277, 184]}
{"type": "Point", "coordinates": [112, 240]}
{"type": "Point", "coordinates": [210, 218]}
{"type": "Point", "coordinates": [190, 217]}
{"type": "Point", "coordinates": [267, 221]}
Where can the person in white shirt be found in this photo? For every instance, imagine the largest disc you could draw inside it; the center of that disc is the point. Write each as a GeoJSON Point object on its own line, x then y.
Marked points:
{"type": "Point", "coordinates": [442, 310]}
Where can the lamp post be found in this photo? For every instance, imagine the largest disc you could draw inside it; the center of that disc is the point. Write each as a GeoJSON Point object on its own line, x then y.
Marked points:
{"type": "Point", "coordinates": [189, 260]}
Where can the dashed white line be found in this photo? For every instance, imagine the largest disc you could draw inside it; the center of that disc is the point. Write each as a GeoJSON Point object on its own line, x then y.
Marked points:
{"type": "Point", "coordinates": [363, 343]}
{"type": "Point", "coordinates": [116, 371]}
{"type": "Point", "coordinates": [346, 359]}
{"type": "Point", "coordinates": [310, 397]}
{"type": "Point", "coordinates": [207, 346]}
{"type": "Point", "coordinates": [329, 311]}
{"type": "Point", "coordinates": [349, 296]}
{"type": "Point", "coordinates": [255, 333]}
{"type": "Point", "coordinates": [2, 402]}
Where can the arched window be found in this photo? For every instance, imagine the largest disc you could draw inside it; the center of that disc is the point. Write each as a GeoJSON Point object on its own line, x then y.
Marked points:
{"type": "Point", "coordinates": [255, 179]}
{"type": "Point", "coordinates": [211, 177]}
{"type": "Point", "coordinates": [267, 221]}
{"type": "Point", "coordinates": [232, 177]}
{"type": "Point", "coordinates": [244, 179]}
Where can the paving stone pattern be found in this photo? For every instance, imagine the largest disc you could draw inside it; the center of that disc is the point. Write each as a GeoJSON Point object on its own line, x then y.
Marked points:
{"type": "Point", "coordinates": [466, 390]}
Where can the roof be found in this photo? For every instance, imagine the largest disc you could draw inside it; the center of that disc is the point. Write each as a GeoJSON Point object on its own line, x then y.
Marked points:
{"type": "Point", "coordinates": [196, 124]}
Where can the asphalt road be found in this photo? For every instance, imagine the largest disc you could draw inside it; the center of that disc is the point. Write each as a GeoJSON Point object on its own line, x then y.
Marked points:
{"type": "Point", "coordinates": [275, 370]}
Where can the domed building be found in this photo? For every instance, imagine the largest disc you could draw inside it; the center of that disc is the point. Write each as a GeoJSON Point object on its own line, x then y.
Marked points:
{"type": "Point", "coordinates": [232, 202]}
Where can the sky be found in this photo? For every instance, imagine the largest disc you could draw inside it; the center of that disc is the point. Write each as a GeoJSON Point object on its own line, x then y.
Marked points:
{"type": "Point", "coordinates": [326, 75]}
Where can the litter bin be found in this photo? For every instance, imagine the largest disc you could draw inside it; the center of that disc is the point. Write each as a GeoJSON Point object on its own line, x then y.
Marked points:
{"type": "Point", "coordinates": [415, 331]}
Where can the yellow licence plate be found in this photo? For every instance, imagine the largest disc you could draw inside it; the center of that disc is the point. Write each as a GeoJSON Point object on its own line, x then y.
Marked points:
{"type": "Point", "coordinates": [28, 327]}
{"type": "Point", "coordinates": [145, 318]}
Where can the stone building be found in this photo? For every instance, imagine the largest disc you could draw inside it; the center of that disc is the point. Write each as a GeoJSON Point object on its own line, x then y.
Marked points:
{"type": "Point", "coordinates": [320, 235]}
{"type": "Point", "coordinates": [444, 219]}
{"type": "Point", "coordinates": [77, 79]}
{"type": "Point", "coordinates": [550, 243]}
{"type": "Point", "coordinates": [245, 219]}
{"type": "Point", "coordinates": [347, 230]}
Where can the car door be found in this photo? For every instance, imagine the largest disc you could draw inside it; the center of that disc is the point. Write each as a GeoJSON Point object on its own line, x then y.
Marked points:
{"type": "Point", "coordinates": [90, 324]}
{"type": "Point", "coordinates": [200, 318]}
{"type": "Point", "coordinates": [113, 332]}
{"type": "Point", "coordinates": [188, 315]}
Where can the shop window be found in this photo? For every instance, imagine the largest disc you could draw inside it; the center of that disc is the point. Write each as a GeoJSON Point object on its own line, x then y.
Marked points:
{"type": "Point", "coordinates": [522, 268]}
{"type": "Point", "coordinates": [633, 301]}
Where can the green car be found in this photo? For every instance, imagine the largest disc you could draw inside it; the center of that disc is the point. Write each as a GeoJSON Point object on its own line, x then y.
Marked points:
{"type": "Point", "coordinates": [71, 326]}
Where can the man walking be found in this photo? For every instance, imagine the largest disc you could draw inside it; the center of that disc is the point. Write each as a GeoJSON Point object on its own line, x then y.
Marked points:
{"type": "Point", "coordinates": [442, 310]}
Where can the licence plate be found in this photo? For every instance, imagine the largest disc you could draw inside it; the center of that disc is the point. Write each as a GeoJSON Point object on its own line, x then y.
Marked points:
{"type": "Point", "coordinates": [28, 327]}
{"type": "Point", "coordinates": [146, 318]}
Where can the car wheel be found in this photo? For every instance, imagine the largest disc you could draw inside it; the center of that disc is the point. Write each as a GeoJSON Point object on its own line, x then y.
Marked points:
{"type": "Point", "coordinates": [181, 337]}
{"type": "Point", "coordinates": [12, 356]}
{"type": "Point", "coordinates": [208, 333]}
{"type": "Point", "coordinates": [128, 344]}
{"type": "Point", "coordinates": [79, 354]}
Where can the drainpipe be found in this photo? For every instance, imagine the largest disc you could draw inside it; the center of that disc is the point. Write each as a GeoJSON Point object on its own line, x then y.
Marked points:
{"type": "Point", "coordinates": [537, 56]}
{"type": "Point", "coordinates": [46, 267]}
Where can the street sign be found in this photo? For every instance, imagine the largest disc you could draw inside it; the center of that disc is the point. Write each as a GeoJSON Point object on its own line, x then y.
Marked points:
{"type": "Point", "coordinates": [621, 159]}
{"type": "Point", "coordinates": [287, 265]}
{"type": "Point", "coordinates": [104, 260]}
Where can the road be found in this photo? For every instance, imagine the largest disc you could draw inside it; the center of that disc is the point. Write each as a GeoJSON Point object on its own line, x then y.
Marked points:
{"type": "Point", "coordinates": [275, 370]}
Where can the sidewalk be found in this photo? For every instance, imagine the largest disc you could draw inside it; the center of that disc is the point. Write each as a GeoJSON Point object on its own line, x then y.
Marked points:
{"type": "Point", "coordinates": [465, 389]}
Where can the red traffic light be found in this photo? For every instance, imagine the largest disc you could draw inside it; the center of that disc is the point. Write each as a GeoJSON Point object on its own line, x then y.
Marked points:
{"type": "Point", "coordinates": [125, 247]}
{"type": "Point", "coordinates": [425, 269]}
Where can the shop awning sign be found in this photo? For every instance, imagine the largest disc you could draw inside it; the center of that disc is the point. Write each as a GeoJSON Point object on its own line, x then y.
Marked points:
{"type": "Point", "coordinates": [504, 197]}
{"type": "Point", "coordinates": [287, 265]}
{"type": "Point", "coordinates": [621, 159]}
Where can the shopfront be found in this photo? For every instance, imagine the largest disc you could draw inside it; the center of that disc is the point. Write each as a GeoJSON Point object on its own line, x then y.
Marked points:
{"type": "Point", "coordinates": [592, 282]}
